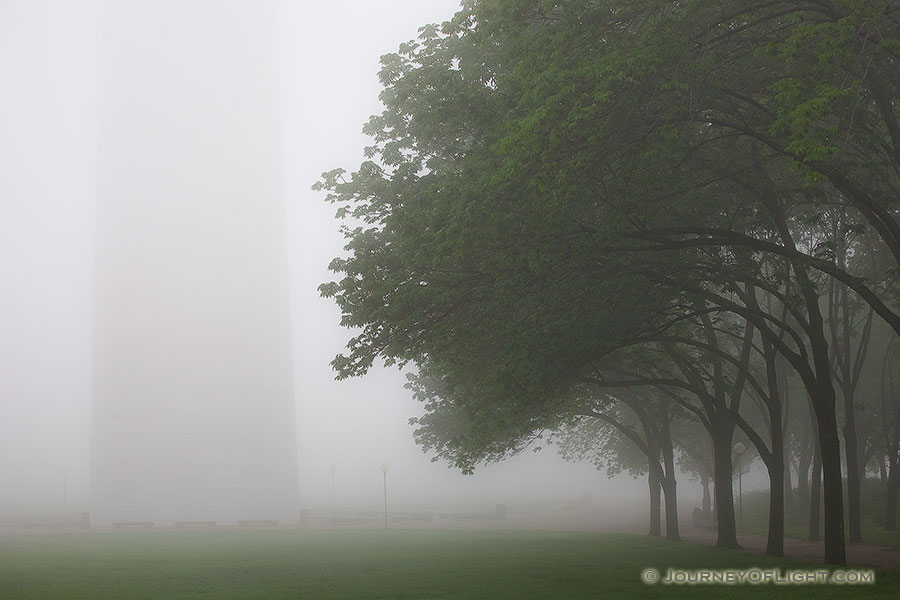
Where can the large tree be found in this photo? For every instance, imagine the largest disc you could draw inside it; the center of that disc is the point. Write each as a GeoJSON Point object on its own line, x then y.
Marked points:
{"type": "Point", "coordinates": [552, 181]}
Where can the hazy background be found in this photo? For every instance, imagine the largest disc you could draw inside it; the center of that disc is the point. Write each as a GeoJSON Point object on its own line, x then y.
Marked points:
{"type": "Point", "coordinates": [48, 152]}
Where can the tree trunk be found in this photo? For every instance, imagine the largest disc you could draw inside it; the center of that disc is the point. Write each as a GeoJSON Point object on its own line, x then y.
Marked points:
{"type": "Point", "coordinates": [778, 472]}
{"type": "Point", "coordinates": [822, 397]}
{"type": "Point", "coordinates": [803, 465]}
{"type": "Point", "coordinates": [653, 481]}
{"type": "Point", "coordinates": [821, 390]}
{"type": "Point", "coordinates": [790, 507]}
{"type": "Point", "coordinates": [671, 505]}
{"type": "Point", "coordinates": [722, 465]}
{"type": "Point", "coordinates": [849, 364]}
{"type": "Point", "coordinates": [775, 541]}
{"type": "Point", "coordinates": [788, 486]}
{"type": "Point", "coordinates": [669, 484]}
{"type": "Point", "coordinates": [815, 500]}
{"type": "Point", "coordinates": [832, 484]}
{"type": "Point", "coordinates": [854, 475]}
{"type": "Point", "coordinates": [776, 468]}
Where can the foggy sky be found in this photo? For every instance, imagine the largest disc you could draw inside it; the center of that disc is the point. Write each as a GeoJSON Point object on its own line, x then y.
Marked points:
{"type": "Point", "coordinates": [49, 57]}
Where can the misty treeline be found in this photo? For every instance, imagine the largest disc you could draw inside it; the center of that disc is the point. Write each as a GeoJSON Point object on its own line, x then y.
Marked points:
{"type": "Point", "coordinates": [649, 230]}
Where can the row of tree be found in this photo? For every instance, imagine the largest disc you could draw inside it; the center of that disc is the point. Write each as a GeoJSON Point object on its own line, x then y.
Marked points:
{"type": "Point", "coordinates": [617, 219]}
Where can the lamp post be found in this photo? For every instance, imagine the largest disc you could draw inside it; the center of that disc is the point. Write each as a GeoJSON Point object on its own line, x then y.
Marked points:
{"type": "Point", "coordinates": [739, 449]}
{"type": "Point", "coordinates": [332, 488]}
{"type": "Point", "coordinates": [384, 470]}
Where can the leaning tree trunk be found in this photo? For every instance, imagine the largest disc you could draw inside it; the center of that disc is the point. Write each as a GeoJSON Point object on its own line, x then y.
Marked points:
{"type": "Point", "coordinates": [822, 397]}
{"type": "Point", "coordinates": [818, 382]}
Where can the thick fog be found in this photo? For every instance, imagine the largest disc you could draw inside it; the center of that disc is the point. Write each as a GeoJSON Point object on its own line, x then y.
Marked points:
{"type": "Point", "coordinates": [54, 160]}
{"type": "Point", "coordinates": [49, 72]}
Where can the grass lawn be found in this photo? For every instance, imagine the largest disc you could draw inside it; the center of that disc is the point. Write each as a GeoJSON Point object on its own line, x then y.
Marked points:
{"type": "Point", "coordinates": [295, 563]}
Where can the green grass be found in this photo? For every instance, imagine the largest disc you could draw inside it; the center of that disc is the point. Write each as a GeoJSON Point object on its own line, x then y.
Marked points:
{"type": "Point", "coordinates": [294, 563]}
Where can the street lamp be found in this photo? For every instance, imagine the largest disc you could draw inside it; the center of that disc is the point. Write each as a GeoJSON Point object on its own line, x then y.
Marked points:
{"type": "Point", "coordinates": [739, 449]}
{"type": "Point", "coordinates": [384, 470]}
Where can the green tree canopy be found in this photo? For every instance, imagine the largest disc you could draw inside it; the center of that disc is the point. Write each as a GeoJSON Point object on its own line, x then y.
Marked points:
{"type": "Point", "coordinates": [552, 181]}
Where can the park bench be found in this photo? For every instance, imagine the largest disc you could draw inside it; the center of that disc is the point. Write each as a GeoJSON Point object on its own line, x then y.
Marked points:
{"type": "Point", "coordinates": [120, 524]}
